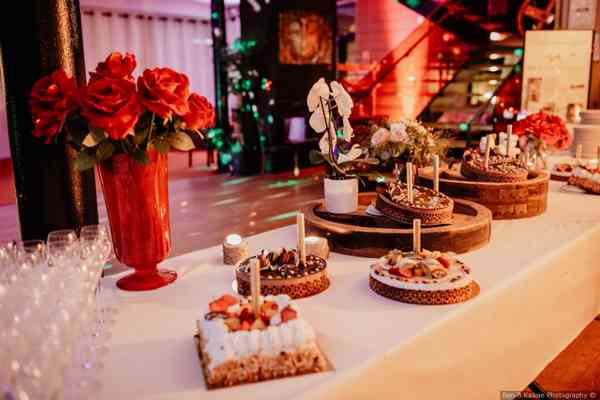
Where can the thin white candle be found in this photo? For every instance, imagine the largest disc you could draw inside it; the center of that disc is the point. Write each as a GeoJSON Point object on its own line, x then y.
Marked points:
{"type": "Point", "coordinates": [436, 173]}
{"type": "Point", "coordinates": [255, 284]}
{"type": "Point", "coordinates": [409, 181]}
{"type": "Point", "coordinates": [508, 136]}
{"type": "Point", "coordinates": [488, 147]}
{"type": "Point", "coordinates": [301, 238]}
{"type": "Point", "coordinates": [416, 236]}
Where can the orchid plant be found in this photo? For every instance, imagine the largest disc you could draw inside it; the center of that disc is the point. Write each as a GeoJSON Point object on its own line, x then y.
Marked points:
{"type": "Point", "coordinates": [328, 105]}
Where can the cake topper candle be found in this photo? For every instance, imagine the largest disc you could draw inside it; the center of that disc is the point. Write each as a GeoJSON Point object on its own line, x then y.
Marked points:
{"type": "Point", "coordinates": [409, 181]}
{"type": "Point", "coordinates": [578, 151]}
{"type": "Point", "coordinates": [255, 284]}
{"type": "Point", "coordinates": [301, 241]}
{"type": "Point", "coordinates": [488, 147]}
{"type": "Point", "coordinates": [416, 236]}
{"type": "Point", "coordinates": [436, 172]}
{"type": "Point", "coordinates": [508, 136]}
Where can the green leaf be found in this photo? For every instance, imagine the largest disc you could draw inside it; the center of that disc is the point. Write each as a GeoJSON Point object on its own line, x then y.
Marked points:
{"type": "Point", "coordinates": [315, 157]}
{"type": "Point", "coordinates": [140, 156]}
{"type": "Point", "coordinates": [162, 146]}
{"type": "Point", "coordinates": [97, 133]}
{"type": "Point", "coordinates": [84, 161]}
{"type": "Point", "coordinates": [181, 141]}
{"type": "Point", "coordinates": [104, 151]}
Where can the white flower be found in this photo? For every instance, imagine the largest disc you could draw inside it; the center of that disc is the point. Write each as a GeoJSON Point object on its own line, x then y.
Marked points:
{"type": "Point", "coordinates": [398, 132]}
{"type": "Point", "coordinates": [380, 137]}
{"type": "Point", "coordinates": [348, 131]}
{"type": "Point", "coordinates": [351, 155]}
{"type": "Point", "coordinates": [318, 91]}
{"type": "Point", "coordinates": [320, 118]}
{"type": "Point", "coordinates": [324, 142]}
{"type": "Point", "coordinates": [342, 99]}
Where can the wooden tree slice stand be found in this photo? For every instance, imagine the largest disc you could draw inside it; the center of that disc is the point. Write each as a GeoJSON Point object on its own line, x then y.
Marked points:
{"type": "Point", "coordinates": [364, 235]}
{"type": "Point", "coordinates": [506, 200]}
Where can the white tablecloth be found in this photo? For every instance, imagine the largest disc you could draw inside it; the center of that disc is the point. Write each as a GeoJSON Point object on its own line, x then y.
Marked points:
{"type": "Point", "coordinates": [540, 286]}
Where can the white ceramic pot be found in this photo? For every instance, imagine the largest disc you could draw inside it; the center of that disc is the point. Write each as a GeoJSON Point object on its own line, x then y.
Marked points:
{"type": "Point", "coordinates": [341, 195]}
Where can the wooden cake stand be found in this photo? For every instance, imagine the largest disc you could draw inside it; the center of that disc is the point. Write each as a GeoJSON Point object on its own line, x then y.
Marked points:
{"type": "Point", "coordinates": [506, 200]}
{"type": "Point", "coordinates": [363, 235]}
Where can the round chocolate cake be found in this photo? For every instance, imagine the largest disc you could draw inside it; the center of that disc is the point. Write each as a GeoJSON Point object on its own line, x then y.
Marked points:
{"type": "Point", "coordinates": [500, 168]}
{"type": "Point", "coordinates": [282, 273]}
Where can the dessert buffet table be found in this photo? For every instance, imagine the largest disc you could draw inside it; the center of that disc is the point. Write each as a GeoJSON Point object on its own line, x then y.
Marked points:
{"type": "Point", "coordinates": [540, 286]}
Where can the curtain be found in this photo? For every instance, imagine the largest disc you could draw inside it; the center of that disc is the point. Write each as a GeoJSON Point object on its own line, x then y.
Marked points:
{"type": "Point", "coordinates": [183, 44]}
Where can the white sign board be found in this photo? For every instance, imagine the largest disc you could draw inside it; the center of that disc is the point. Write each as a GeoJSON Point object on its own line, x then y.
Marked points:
{"type": "Point", "coordinates": [556, 72]}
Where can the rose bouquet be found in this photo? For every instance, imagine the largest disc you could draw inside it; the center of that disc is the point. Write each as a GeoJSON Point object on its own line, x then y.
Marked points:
{"type": "Point", "coordinates": [405, 140]}
{"type": "Point", "coordinates": [548, 129]}
{"type": "Point", "coordinates": [114, 114]}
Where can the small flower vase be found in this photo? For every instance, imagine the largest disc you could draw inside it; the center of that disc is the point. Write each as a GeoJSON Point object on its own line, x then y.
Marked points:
{"type": "Point", "coordinates": [538, 158]}
{"type": "Point", "coordinates": [341, 195]}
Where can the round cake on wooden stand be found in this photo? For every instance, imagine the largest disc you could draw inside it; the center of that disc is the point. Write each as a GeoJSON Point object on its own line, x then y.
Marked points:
{"type": "Point", "coordinates": [426, 277]}
{"type": "Point", "coordinates": [281, 273]}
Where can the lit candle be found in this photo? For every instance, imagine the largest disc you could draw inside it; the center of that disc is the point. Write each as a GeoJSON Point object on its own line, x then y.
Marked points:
{"type": "Point", "coordinates": [317, 246]}
{"type": "Point", "coordinates": [436, 173]}
{"type": "Point", "coordinates": [488, 147]}
{"type": "Point", "coordinates": [301, 240]}
{"type": "Point", "coordinates": [508, 136]}
{"type": "Point", "coordinates": [417, 236]}
{"type": "Point", "coordinates": [578, 153]}
{"type": "Point", "coordinates": [235, 249]}
{"type": "Point", "coordinates": [255, 284]}
{"type": "Point", "coordinates": [409, 181]}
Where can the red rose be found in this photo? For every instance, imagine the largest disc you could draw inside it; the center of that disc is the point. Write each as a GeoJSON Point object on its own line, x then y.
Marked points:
{"type": "Point", "coordinates": [115, 66]}
{"type": "Point", "coordinates": [52, 99]}
{"type": "Point", "coordinates": [201, 113]}
{"type": "Point", "coordinates": [164, 92]}
{"type": "Point", "coordinates": [112, 105]}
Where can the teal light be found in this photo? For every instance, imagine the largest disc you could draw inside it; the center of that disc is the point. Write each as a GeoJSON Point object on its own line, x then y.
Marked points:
{"type": "Point", "coordinates": [284, 184]}
{"type": "Point", "coordinates": [236, 148]}
{"type": "Point", "coordinates": [463, 127]}
{"type": "Point", "coordinates": [225, 158]}
{"type": "Point", "coordinates": [237, 181]}
{"type": "Point", "coordinates": [413, 3]}
{"type": "Point", "coordinates": [518, 52]}
{"type": "Point", "coordinates": [282, 217]}
{"type": "Point", "coordinates": [214, 15]}
{"type": "Point", "coordinates": [270, 119]}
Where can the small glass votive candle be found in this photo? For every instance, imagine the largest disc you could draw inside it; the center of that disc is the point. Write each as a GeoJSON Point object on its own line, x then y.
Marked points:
{"type": "Point", "coordinates": [317, 246]}
{"type": "Point", "coordinates": [235, 249]}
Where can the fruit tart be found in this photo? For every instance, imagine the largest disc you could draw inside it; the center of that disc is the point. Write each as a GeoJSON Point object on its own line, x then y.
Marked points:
{"type": "Point", "coordinates": [431, 207]}
{"type": "Point", "coordinates": [281, 272]}
{"type": "Point", "coordinates": [240, 345]}
{"type": "Point", "coordinates": [430, 277]}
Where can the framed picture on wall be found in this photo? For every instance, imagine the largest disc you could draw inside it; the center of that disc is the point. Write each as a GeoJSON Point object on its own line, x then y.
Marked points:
{"type": "Point", "coordinates": [305, 37]}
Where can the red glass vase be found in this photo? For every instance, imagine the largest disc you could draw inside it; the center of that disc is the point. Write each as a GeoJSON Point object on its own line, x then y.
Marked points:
{"type": "Point", "coordinates": [137, 201]}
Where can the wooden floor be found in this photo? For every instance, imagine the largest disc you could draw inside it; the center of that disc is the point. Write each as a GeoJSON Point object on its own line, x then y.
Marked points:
{"type": "Point", "coordinates": [207, 207]}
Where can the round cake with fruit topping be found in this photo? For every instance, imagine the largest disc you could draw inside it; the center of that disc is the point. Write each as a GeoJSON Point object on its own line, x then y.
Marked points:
{"type": "Point", "coordinates": [430, 277]}
{"type": "Point", "coordinates": [282, 273]}
{"type": "Point", "coordinates": [431, 207]}
{"type": "Point", "coordinates": [500, 168]}
{"type": "Point", "coordinates": [238, 344]}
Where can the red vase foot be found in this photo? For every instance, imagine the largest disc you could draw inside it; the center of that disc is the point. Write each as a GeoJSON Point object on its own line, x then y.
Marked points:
{"type": "Point", "coordinates": [154, 279]}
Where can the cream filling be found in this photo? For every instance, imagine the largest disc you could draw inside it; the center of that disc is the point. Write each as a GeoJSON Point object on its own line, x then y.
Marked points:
{"type": "Point", "coordinates": [222, 345]}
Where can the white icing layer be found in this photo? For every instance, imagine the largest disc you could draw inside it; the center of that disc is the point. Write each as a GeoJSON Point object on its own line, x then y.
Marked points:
{"type": "Point", "coordinates": [456, 278]}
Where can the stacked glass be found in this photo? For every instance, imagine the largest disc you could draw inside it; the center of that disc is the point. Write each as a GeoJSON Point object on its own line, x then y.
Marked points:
{"type": "Point", "coordinates": [54, 324]}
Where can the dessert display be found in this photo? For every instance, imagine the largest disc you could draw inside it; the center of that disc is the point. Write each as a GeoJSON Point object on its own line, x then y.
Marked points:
{"type": "Point", "coordinates": [563, 168]}
{"type": "Point", "coordinates": [494, 164]}
{"type": "Point", "coordinates": [282, 272]}
{"type": "Point", "coordinates": [239, 343]}
{"type": "Point", "coordinates": [498, 169]}
{"type": "Point", "coordinates": [426, 277]}
{"type": "Point", "coordinates": [586, 178]}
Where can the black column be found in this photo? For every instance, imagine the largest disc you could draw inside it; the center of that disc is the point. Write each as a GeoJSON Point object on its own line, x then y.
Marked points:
{"type": "Point", "coordinates": [39, 36]}
{"type": "Point", "coordinates": [219, 44]}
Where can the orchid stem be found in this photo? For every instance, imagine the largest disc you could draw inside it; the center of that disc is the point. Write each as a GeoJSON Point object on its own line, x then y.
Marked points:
{"type": "Point", "coordinates": [330, 139]}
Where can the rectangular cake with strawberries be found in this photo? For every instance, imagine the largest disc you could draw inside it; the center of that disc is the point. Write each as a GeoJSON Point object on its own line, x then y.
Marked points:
{"type": "Point", "coordinates": [238, 345]}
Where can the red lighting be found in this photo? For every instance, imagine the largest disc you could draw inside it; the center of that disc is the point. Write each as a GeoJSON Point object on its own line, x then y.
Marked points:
{"type": "Point", "coordinates": [447, 37]}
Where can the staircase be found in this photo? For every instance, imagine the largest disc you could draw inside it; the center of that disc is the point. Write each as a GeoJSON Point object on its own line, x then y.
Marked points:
{"type": "Point", "coordinates": [446, 73]}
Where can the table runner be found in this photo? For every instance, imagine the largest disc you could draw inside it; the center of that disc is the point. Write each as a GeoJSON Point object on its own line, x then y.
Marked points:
{"type": "Point", "coordinates": [540, 286]}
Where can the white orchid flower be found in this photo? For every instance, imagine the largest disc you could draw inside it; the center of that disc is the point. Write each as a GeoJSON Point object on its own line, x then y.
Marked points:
{"type": "Point", "coordinates": [318, 91]}
{"type": "Point", "coordinates": [351, 155]}
{"type": "Point", "coordinates": [348, 131]}
{"type": "Point", "coordinates": [342, 99]}
{"type": "Point", "coordinates": [320, 118]}
{"type": "Point", "coordinates": [380, 137]}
